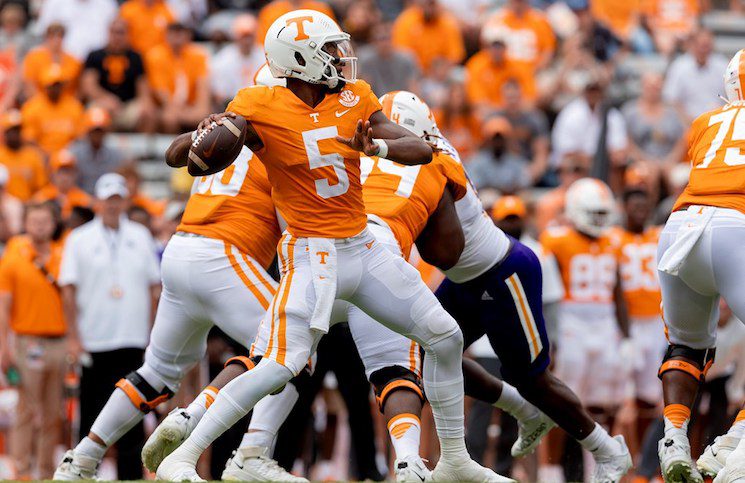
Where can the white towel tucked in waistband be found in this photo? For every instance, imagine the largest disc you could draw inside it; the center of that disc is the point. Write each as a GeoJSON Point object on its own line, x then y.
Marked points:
{"type": "Point", "coordinates": [323, 266]}
{"type": "Point", "coordinates": [692, 226]}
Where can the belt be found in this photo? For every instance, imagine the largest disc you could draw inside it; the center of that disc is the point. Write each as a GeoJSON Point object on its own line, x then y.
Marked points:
{"type": "Point", "coordinates": [187, 234]}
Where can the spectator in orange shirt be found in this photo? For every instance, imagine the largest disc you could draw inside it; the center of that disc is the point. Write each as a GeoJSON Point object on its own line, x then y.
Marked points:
{"type": "Point", "coordinates": [489, 70]}
{"type": "Point", "coordinates": [624, 20]}
{"type": "Point", "coordinates": [275, 9]}
{"type": "Point", "coordinates": [48, 56]}
{"type": "Point", "coordinates": [136, 198]}
{"type": "Point", "coordinates": [530, 40]}
{"type": "Point", "coordinates": [63, 190]}
{"type": "Point", "coordinates": [25, 164]}
{"type": "Point", "coordinates": [52, 118]}
{"type": "Point", "coordinates": [671, 21]}
{"type": "Point", "coordinates": [178, 76]}
{"type": "Point", "coordinates": [147, 21]}
{"type": "Point", "coordinates": [430, 32]}
{"type": "Point", "coordinates": [550, 208]}
{"type": "Point", "coordinates": [457, 120]}
{"type": "Point", "coordinates": [31, 310]}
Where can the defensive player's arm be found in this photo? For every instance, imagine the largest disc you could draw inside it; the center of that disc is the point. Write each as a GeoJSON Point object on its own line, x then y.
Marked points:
{"type": "Point", "coordinates": [441, 242]}
{"type": "Point", "coordinates": [619, 301]}
{"type": "Point", "coordinates": [402, 146]}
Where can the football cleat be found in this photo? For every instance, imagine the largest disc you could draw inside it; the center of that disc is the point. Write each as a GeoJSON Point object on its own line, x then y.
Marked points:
{"type": "Point", "coordinates": [714, 457]}
{"type": "Point", "coordinates": [468, 470]}
{"type": "Point", "coordinates": [76, 466]}
{"type": "Point", "coordinates": [675, 459]}
{"type": "Point", "coordinates": [610, 469]}
{"type": "Point", "coordinates": [174, 468]}
{"type": "Point", "coordinates": [254, 464]}
{"type": "Point", "coordinates": [731, 474]}
{"type": "Point", "coordinates": [411, 470]}
{"type": "Point", "coordinates": [168, 436]}
{"type": "Point", "coordinates": [530, 433]}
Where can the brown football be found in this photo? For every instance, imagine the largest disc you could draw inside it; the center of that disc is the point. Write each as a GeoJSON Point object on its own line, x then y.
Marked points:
{"type": "Point", "coordinates": [216, 149]}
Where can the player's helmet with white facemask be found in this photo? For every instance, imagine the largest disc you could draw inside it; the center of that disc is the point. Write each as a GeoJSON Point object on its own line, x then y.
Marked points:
{"type": "Point", "coordinates": [310, 46]}
{"type": "Point", "coordinates": [734, 76]}
{"type": "Point", "coordinates": [407, 110]}
{"type": "Point", "coordinates": [590, 206]}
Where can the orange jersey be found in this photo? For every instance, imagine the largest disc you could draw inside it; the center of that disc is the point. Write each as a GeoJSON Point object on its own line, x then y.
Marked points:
{"type": "Point", "coordinates": [716, 149]}
{"type": "Point", "coordinates": [588, 266]}
{"type": "Point", "coordinates": [485, 79]}
{"type": "Point", "coordinates": [36, 305]}
{"type": "Point", "coordinates": [428, 41]}
{"type": "Point", "coordinates": [405, 196]}
{"type": "Point", "coordinates": [235, 205]}
{"type": "Point", "coordinates": [529, 37]}
{"type": "Point", "coordinates": [52, 126]}
{"type": "Point", "coordinates": [315, 179]}
{"type": "Point", "coordinates": [178, 74]}
{"type": "Point", "coordinates": [620, 16]}
{"type": "Point", "coordinates": [40, 60]}
{"type": "Point", "coordinates": [146, 23]}
{"type": "Point", "coordinates": [675, 16]}
{"type": "Point", "coordinates": [26, 171]}
{"type": "Point", "coordinates": [641, 287]}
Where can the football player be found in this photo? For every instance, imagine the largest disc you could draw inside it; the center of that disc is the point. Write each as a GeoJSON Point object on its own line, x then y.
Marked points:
{"type": "Point", "coordinates": [309, 136]}
{"type": "Point", "coordinates": [701, 258]}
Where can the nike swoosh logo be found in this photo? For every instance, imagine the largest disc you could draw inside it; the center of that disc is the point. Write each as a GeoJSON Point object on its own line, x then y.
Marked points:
{"type": "Point", "coordinates": [208, 151]}
{"type": "Point", "coordinates": [340, 113]}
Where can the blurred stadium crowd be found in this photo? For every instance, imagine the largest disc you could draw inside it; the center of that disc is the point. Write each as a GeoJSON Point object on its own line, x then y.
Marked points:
{"type": "Point", "coordinates": [533, 94]}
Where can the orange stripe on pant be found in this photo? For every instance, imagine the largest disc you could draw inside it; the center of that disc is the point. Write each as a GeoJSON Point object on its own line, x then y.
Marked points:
{"type": "Point", "coordinates": [282, 335]}
{"type": "Point", "coordinates": [526, 315]}
{"type": "Point", "coordinates": [270, 343]}
{"type": "Point", "coordinates": [241, 274]}
{"type": "Point", "coordinates": [258, 274]}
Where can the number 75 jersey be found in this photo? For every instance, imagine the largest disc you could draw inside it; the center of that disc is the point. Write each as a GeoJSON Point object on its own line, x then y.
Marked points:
{"type": "Point", "coordinates": [315, 179]}
{"type": "Point", "coordinates": [716, 149]}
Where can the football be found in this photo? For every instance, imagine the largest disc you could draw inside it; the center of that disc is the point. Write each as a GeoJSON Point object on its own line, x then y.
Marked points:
{"type": "Point", "coordinates": [215, 149]}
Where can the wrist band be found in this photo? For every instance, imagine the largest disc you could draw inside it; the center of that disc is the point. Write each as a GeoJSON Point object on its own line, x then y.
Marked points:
{"type": "Point", "coordinates": [382, 147]}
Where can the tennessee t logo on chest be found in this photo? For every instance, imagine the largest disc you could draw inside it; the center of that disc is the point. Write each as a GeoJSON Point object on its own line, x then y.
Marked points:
{"type": "Point", "coordinates": [314, 115]}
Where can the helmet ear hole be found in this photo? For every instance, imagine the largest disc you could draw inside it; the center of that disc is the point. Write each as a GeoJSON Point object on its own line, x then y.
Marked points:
{"type": "Point", "coordinates": [300, 59]}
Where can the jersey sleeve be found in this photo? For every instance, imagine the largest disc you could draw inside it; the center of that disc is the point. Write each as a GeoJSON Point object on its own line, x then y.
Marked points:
{"type": "Point", "coordinates": [549, 241]}
{"type": "Point", "coordinates": [368, 99]}
{"type": "Point", "coordinates": [243, 102]}
{"type": "Point", "coordinates": [455, 174]}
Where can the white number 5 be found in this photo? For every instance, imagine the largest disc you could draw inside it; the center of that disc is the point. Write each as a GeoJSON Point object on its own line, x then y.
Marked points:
{"type": "Point", "coordinates": [317, 160]}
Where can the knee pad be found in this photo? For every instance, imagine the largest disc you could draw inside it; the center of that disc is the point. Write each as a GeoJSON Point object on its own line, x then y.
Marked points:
{"type": "Point", "coordinates": [141, 393]}
{"type": "Point", "coordinates": [390, 379]}
{"type": "Point", "coordinates": [700, 361]}
{"type": "Point", "coordinates": [247, 363]}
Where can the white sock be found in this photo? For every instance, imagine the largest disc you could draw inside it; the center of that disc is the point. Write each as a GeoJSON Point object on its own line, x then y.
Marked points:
{"type": "Point", "coordinates": [90, 448]}
{"type": "Point", "coordinates": [600, 443]}
{"type": "Point", "coordinates": [514, 404]}
{"type": "Point", "coordinates": [671, 428]}
{"type": "Point", "coordinates": [269, 415]}
{"type": "Point", "coordinates": [233, 402]}
{"type": "Point", "coordinates": [202, 402]}
{"type": "Point", "coordinates": [453, 449]}
{"type": "Point", "coordinates": [443, 383]}
{"type": "Point", "coordinates": [118, 416]}
{"type": "Point", "coordinates": [738, 427]}
{"type": "Point", "coordinates": [405, 432]}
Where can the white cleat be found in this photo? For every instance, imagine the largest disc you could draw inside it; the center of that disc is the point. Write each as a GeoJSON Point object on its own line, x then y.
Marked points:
{"type": "Point", "coordinates": [611, 469]}
{"type": "Point", "coordinates": [714, 457]}
{"type": "Point", "coordinates": [76, 466]}
{"type": "Point", "coordinates": [254, 464]}
{"type": "Point", "coordinates": [168, 436]}
{"type": "Point", "coordinates": [468, 470]}
{"type": "Point", "coordinates": [174, 468]}
{"type": "Point", "coordinates": [675, 460]}
{"type": "Point", "coordinates": [530, 433]}
{"type": "Point", "coordinates": [411, 470]}
{"type": "Point", "coordinates": [733, 471]}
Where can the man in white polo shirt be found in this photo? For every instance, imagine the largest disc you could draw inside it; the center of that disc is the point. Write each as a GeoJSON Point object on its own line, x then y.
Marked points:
{"type": "Point", "coordinates": [110, 286]}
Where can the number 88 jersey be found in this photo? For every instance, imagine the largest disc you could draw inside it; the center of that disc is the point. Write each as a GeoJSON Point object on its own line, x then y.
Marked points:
{"type": "Point", "coordinates": [235, 205]}
{"type": "Point", "coordinates": [716, 149]}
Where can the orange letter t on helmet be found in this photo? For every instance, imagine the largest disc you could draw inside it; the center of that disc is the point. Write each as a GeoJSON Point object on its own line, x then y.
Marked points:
{"type": "Point", "coordinates": [301, 35]}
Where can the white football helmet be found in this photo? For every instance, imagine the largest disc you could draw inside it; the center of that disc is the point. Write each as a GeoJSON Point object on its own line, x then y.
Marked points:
{"type": "Point", "coordinates": [590, 206]}
{"type": "Point", "coordinates": [310, 46]}
{"type": "Point", "coordinates": [733, 77]}
{"type": "Point", "coordinates": [409, 111]}
{"type": "Point", "coordinates": [264, 77]}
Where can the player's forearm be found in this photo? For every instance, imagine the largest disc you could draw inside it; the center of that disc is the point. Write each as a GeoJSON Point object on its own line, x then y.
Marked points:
{"type": "Point", "coordinates": [177, 153]}
{"type": "Point", "coordinates": [408, 150]}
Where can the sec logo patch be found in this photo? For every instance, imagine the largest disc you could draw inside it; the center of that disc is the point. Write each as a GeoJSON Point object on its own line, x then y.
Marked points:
{"type": "Point", "coordinates": [348, 98]}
